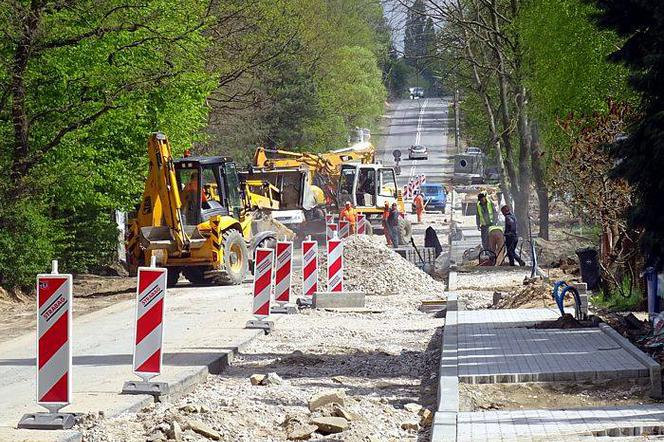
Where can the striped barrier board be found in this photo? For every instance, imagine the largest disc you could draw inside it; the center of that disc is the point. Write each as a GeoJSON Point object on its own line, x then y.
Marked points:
{"type": "Point", "coordinates": [262, 289]}
{"type": "Point", "coordinates": [54, 323]}
{"type": "Point", "coordinates": [329, 231]}
{"type": "Point", "coordinates": [149, 331]}
{"type": "Point", "coordinates": [344, 229]}
{"type": "Point", "coordinates": [282, 274]}
{"type": "Point", "coordinates": [54, 356]}
{"type": "Point", "coordinates": [361, 224]}
{"type": "Point", "coordinates": [329, 219]}
{"type": "Point", "coordinates": [335, 265]}
{"type": "Point", "coordinates": [309, 267]}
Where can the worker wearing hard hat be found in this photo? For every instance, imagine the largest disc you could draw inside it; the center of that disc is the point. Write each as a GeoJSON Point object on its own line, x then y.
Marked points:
{"type": "Point", "coordinates": [348, 214]}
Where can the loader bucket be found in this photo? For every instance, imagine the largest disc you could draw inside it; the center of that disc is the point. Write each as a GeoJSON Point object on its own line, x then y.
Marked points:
{"type": "Point", "coordinates": [159, 238]}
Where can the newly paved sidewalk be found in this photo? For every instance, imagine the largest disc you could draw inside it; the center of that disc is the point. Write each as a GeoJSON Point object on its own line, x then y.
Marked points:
{"type": "Point", "coordinates": [557, 425]}
{"type": "Point", "coordinates": [202, 326]}
{"type": "Point", "coordinates": [496, 346]}
{"type": "Point", "coordinates": [490, 346]}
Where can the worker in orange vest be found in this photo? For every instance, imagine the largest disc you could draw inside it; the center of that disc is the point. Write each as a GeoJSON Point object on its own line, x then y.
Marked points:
{"type": "Point", "coordinates": [419, 206]}
{"type": "Point", "coordinates": [348, 214]}
{"type": "Point", "coordinates": [386, 214]}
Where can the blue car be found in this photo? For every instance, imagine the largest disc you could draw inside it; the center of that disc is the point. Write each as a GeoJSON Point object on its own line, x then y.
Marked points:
{"type": "Point", "coordinates": [435, 197]}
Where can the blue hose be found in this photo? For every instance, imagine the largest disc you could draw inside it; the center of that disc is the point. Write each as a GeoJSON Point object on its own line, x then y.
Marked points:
{"type": "Point", "coordinates": [559, 296]}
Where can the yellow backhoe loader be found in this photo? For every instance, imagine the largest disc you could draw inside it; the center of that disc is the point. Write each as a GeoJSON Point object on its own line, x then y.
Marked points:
{"type": "Point", "coordinates": [192, 217]}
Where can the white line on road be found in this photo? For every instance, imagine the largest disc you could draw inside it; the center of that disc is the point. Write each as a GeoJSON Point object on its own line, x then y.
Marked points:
{"type": "Point", "coordinates": [418, 135]}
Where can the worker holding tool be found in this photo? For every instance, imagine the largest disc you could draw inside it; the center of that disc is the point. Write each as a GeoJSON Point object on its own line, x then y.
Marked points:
{"type": "Point", "coordinates": [348, 214]}
{"type": "Point", "coordinates": [386, 214]}
{"type": "Point", "coordinates": [511, 236]}
{"type": "Point", "coordinates": [419, 206]}
{"type": "Point", "coordinates": [393, 225]}
{"type": "Point", "coordinates": [485, 218]}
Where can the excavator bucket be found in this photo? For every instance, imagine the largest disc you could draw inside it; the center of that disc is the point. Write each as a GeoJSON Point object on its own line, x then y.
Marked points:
{"type": "Point", "coordinates": [159, 237]}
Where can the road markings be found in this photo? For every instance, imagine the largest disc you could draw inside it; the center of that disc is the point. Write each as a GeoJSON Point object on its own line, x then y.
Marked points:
{"type": "Point", "coordinates": [418, 135]}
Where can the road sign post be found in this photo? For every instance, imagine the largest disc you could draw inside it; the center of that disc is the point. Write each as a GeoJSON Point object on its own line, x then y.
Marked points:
{"type": "Point", "coordinates": [54, 358]}
{"type": "Point", "coordinates": [335, 265]}
{"type": "Point", "coordinates": [282, 278]}
{"type": "Point", "coordinates": [149, 331]}
{"type": "Point", "coordinates": [309, 271]}
{"type": "Point", "coordinates": [262, 289]}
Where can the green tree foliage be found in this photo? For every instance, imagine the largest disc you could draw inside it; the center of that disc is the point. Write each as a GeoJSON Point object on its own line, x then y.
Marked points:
{"type": "Point", "coordinates": [640, 158]}
{"type": "Point", "coordinates": [309, 45]}
{"type": "Point", "coordinates": [567, 66]}
{"type": "Point", "coordinates": [419, 40]}
{"type": "Point", "coordinates": [84, 82]}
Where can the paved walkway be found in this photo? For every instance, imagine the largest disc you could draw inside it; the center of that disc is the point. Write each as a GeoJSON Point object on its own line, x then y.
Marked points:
{"type": "Point", "coordinates": [490, 346]}
{"type": "Point", "coordinates": [202, 325]}
{"type": "Point", "coordinates": [554, 425]}
{"type": "Point", "coordinates": [497, 346]}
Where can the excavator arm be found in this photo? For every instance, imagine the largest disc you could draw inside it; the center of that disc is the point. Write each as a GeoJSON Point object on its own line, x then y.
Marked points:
{"type": "Point", "coordinates": [161, 201]}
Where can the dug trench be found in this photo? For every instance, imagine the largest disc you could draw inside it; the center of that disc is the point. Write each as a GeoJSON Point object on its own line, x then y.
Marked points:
{"type": "Point", "coordinates": [320, 374]}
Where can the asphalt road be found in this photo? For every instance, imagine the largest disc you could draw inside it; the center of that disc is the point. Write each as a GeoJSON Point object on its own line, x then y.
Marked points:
{"type": "Point", "coordinates": [427, 122]}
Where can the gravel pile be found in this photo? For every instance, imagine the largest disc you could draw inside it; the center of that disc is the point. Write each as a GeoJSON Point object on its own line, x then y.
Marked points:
{"type": "Point", "coordinates": [371, 267]}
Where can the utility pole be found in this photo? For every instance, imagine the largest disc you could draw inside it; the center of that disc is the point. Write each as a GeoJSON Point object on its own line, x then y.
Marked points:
{"type": "Point", "coordinates": [456, 120]}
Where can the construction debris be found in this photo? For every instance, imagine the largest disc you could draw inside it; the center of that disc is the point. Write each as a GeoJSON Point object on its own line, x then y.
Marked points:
{"type": "Point", "coordinates": [373, 268]}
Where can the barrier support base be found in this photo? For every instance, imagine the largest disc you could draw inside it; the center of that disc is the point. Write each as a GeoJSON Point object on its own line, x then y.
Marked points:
{"type": "Point", "coordinates": [284, 309]}
{"type": "Point", "coordinates": [47, 421]}
{"type": "Point", "coordinates": [155, 389]}
{"type": "Point", "coordinates": [266, 326]}
{"type": "Point", "coordinates": [305, 302]}
{"type": "Point", "coordinates": [338, 300]}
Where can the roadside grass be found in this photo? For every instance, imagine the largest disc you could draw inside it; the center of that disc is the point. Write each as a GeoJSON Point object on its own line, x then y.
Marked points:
{"type": "Point", "coordinates": [624, 298]}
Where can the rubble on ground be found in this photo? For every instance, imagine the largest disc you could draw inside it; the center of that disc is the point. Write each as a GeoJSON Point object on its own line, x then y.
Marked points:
{"type": "Point", "coordinates": [346, 376]}
{"type": "Point", "coordinates": [373, 268]}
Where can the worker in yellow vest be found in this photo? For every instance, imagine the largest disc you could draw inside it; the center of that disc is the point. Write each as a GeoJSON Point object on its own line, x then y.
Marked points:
{"type": "Point", "coordinates": [485, 218]}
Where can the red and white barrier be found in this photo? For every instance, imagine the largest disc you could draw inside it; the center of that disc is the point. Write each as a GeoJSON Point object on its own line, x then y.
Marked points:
{"type": "Point", "coordinates": [282, 275]}
{"type": "Point", "coordinates": [309, 267]}
{"type": "Point", "coordinates": [54, 322]}
{"type": "Point", "coordinates": [149, 331]}
{"type": "Point", "coordinates": [329, 231]}
{"type": "Point", "coordinates": [344, 229]}
{"type": "Point", "coordinates": [361, 224]}
{"type": "Point", "coordinates": [335, 265]}
{"type": "Point", "coordinates": [329, 219]}
{"type": "Point", "coordinates": [264, 260]}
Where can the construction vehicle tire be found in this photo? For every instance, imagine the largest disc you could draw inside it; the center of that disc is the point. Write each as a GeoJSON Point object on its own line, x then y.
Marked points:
{"type": "Point", "coordinates": [236, 257]}
{"type": "Point", "coordinates": [173, 275]}
{"type": "Point", "coordinates": [405, 231]}
{"type": "Point", "coordinates": [196, 275]}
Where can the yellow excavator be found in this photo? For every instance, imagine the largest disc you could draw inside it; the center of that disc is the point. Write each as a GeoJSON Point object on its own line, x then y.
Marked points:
{"type": "Point", "coordinates": [194, 218]}
{"type": "Point", "coordinates": [324, 168]}
{"type": "Point", "coordinates": [349, 174]}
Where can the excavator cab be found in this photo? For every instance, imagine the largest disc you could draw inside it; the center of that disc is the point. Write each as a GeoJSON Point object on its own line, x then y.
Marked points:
{"type": "Point", "coordinates": [209, 186]}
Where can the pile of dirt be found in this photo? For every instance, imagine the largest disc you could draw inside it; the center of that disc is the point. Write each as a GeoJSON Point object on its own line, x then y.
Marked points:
{"type": "Point", "coordinates": [534, 294]}
{"type": "Point", "coordinates": [566, 321]}
{"type": "Point", "coordinates": [568, 264]}
{"type": "Point", "coordinates": [373, 268]}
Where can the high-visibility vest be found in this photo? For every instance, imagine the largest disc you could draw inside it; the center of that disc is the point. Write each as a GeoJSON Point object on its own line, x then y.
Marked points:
{"type": "Point", "coordinates": [480, 212]}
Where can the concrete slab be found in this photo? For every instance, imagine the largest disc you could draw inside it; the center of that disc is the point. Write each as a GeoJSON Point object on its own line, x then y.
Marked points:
{"type": "Point", "coordinates": [538, 425]}
{"type": "Point", "coordinates": [204, 326]}
{"type": "Point", "coordinates": [338, 300]}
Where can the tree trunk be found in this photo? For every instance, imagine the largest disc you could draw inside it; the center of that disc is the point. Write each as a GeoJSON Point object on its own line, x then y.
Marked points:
{"type": "Point", "coordinates": [19, 113]}
{"type": "Point", "coordinates": [522, 210]}
{"type": "Point", "coordinates": [540, 184]}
